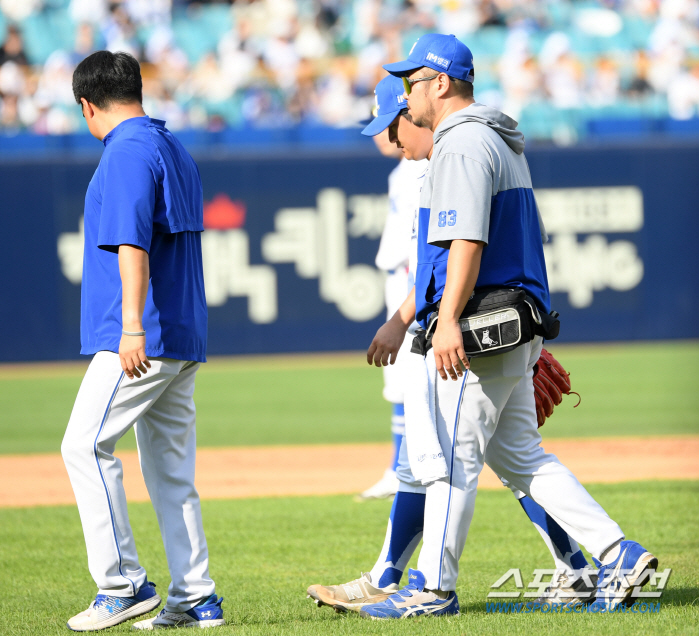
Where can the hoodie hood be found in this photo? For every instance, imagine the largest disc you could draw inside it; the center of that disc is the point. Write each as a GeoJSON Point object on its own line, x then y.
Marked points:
{"type": "Point", "coordinates": [505, 126]}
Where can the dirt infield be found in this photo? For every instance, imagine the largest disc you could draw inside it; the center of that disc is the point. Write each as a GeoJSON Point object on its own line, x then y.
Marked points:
{"type": "Point", "coordinates": [231, 473]}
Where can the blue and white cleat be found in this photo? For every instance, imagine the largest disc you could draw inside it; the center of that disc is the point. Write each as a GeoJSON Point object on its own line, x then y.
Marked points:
{"type": "Point", "coordinates": [207, 614]}
{"type": "Point", "coordinates": [616, 581]}
{"type": "Point", "coordinates": [412, 600]}
{"type": "Point", "coordinates": [107, 611]}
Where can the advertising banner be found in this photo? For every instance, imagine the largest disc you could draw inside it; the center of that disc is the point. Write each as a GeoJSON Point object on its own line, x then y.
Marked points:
{"type": "Point", "coordinates": [290, 243]}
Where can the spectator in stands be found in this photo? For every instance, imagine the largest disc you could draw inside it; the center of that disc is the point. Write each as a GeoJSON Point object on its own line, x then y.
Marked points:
{"type": "Point", "coordinates": [281, 57]}
{"type": "Point", "coordinates": [417, 16]}
{"type": "Point", "coordinates": [604, 84]}
{"type": "Point", "coordinates": [54, 97]}
{"type": "Point", "coordinates": [9, 113]}
{"type": "Point", "coordinates": [490, 14]}
{"type": "Point", "coordinates": [167, 64]}
{"type": "Point", "coordinates": [55, 82]}
{"type": "Point", "coordinates": [84, 43]}
{"type": "Point", "coordinates": [562, 72]}
{"type": "Point", "coordinates": [520, 75]}
{"type": "Point", "coordinates": [12, 79]}
{"type": "Point", "coordinates": [238, 53]}
{"type": "Point", "coordinates": [18, 10]}
{"type": "Point", "coordinates": [521, 85]}
{"type": "Point", "coordinates": [335, 94]}
{"type": "Point", "coordinates": [311, 41]}
{"type": "Point", "coordinates": [640, 87]}
{"type": "Point", "coordinates": [303, 103]}
{"type": "Point", "coordinates": [119, 32]}
{"type": "Point", "coordinates": [208, 82]}
{"type": "Point", "coordinates": [12, 49]}
{"type": "Point", "coordinates": [683, 94]}
{"type": "Point", "coordinates": [316, 61]}
{"type": "Point", "coordinates": [159, 103]}
{"type": "Point", "coordinates": [151, 13]}
{"type": "Point", "coordinates": [91, 11]}
{"type": "Point", "coordinates": [27, 106]}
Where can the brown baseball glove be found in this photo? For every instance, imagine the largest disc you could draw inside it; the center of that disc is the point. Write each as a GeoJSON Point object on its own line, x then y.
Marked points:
{"type": "Point", "coordinates": [551, 381]}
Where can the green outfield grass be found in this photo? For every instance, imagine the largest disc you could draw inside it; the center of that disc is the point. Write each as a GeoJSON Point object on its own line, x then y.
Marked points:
{"type": "Point", "coordinates": [633, 389]}
{"type": "Point", "coordinates": [265, 552]}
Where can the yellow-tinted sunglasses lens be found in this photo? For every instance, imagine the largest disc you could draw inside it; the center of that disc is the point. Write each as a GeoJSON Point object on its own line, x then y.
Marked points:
{"type": "Point", "coordinates": [406, 85]}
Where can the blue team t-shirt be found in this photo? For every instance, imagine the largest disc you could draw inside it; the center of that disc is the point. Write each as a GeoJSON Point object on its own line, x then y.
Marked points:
{"type": "Point", "coordinates": [146, 192]}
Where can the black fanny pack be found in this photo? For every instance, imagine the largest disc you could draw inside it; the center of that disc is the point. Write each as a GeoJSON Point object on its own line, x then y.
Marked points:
{"type": "Point", "coordinates": [494, 321]}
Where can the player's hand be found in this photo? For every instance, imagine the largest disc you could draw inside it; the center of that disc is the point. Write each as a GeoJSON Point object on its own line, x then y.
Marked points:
{"type": "Point", "coordinates": [449, 353]}
{"type": "Point", "coordinates": [386, 343]}
{"type": "Point", "coordinates": [132, 355]}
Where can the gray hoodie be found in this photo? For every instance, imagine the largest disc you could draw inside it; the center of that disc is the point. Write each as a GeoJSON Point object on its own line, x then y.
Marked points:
{"type": "Point", "coordinates": [502, 124]}
{"type": "Point", "coordinates": [478, 153]}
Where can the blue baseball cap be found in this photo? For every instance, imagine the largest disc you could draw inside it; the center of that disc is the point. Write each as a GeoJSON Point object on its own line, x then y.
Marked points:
{"type": "Point", "coordinates": [390, 100]}
{"type": "Point", "coordinates": [443, 53]}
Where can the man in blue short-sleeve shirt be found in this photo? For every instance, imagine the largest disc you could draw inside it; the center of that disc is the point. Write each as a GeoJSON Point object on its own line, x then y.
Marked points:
{"type": "Point", "coordinates": [144, 170]}
{"type": "Point", "coordinates": [143, 316]}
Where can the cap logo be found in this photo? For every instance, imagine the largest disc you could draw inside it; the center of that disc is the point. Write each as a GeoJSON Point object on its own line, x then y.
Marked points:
{"type": "Point", "coordinates": [400, 98]}
{"type": "Point", "coordinates": [413, 47]}
{"type": "Point", "coordinates": [436, 59]}
{"type": "Point", "coordinates": [376, 99]}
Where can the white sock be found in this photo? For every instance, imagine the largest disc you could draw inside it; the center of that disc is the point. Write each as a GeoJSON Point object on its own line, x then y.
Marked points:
{"type": "Point", "coordinates": [611, 553]}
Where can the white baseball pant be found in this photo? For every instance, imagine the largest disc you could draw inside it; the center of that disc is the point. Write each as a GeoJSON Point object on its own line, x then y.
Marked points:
{"type": "Point", "coordinates": [161, 406]}
{"type": "Point", "coordinates": [489, 415]}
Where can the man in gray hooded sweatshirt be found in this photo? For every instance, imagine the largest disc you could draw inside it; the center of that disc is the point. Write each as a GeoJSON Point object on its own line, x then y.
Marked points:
{"type": "Point", "coordinates": [479, 228]}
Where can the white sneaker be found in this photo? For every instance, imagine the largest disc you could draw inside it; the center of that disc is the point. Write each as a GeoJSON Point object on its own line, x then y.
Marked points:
{"type": "Point", "coordinates": [385, 488]}
{"type": "Point", "coordinates": [413, 600]}
{"type": "Point", "coordinates": [566, 589]}
{"type": "Point", "coordinates": [107, 611]}
{"type": "Point", "coordinates": [209, 614]}
{"type": "Point", "coordinates": [350, 596]}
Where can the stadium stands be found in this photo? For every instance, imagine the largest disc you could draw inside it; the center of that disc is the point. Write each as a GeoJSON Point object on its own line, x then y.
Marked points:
{"type": "Point", "coordinates": [567, 70]}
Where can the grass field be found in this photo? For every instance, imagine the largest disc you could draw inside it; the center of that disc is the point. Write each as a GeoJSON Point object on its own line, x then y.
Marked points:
{"type": "Point", "coordinates": [265, 552]}
{"type": "Point", "coordinates": [634, 389]}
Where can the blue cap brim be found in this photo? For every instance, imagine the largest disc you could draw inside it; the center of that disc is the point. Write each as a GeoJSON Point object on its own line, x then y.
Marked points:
{"type": "Point", "coordinates": [379, 124]}
{"type": "Point", "coordinates": [402, 68]}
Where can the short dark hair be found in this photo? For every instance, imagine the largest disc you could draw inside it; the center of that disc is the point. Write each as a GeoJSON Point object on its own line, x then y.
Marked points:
{"type": "Point", "coordinates": [105, 78]}
{"type": "Point", "coordinates": [463, 88]}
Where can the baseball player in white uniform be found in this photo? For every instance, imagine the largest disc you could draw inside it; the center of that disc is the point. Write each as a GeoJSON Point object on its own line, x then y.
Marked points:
{"type": "Point", "coordinates": [479, 228]}
{"type": "Point", "coordinates": [392, 258]}
{"type": "Point", "coordinates": [573, 582]}
{"type": "Point", "coordinates": [144, 318]}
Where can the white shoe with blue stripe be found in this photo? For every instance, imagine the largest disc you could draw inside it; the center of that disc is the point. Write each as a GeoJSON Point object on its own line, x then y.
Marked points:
{"type": "Point", "coordinates": [107, 611]}
{"type": "Point", "coordinates": [412, 600]}
{"type": "Point", "coordinates": [207, 614]}
{"type": "Point", "coordinates": [617, 580]}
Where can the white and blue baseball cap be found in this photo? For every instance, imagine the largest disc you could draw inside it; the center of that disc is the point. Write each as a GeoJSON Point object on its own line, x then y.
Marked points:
{"type": "Point", "coordinates": [390, 100]}
{"type": "Point", "coordinates": [443, 53]}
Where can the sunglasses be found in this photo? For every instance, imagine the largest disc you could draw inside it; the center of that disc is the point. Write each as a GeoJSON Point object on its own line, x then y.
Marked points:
{"type": "Point", "coordinates": [408, 83]}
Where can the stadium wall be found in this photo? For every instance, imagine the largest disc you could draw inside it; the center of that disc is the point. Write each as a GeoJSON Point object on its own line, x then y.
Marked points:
{"type": "Point", "coordinates": [291, 239]}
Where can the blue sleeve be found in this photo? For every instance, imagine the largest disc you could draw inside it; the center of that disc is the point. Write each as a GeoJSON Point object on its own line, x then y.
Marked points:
{"type": "Point", "coordinates": [128, 201]}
